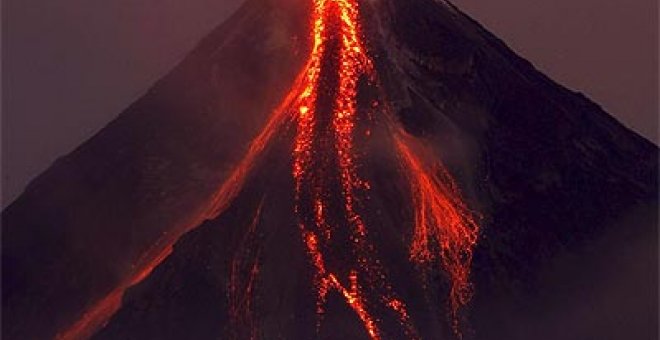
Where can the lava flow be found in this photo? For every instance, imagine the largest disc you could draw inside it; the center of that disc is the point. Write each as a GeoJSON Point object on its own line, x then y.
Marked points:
{"type": "Point", "coordinates": [330, 193]}
{"type": "Point", "coordinates": [442, 221]}
{"type": "Point", "coordinates": [312, 179]}
{"type": "Point", "coordinates": [440, 215]}
{"type": "Point", "coordinates": [97, 315]}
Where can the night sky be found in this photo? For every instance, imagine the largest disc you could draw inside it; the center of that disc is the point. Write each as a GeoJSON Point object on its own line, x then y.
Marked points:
{"type": "Point", "coordinates": [71, 66]}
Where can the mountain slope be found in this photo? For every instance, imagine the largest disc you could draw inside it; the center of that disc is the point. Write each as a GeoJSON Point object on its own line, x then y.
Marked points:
{"type": "Point", "coordinates": [558, 182]}
{"type": "Point", "coordinates": [77, 229]}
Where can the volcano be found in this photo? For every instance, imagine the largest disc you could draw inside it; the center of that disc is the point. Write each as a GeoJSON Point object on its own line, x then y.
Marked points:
{"type": "Point", "coordinates": [342, 169]}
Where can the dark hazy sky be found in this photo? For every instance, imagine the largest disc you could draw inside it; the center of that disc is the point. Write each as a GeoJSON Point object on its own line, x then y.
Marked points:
{"type": "Point", "coordinates": [70, 66]}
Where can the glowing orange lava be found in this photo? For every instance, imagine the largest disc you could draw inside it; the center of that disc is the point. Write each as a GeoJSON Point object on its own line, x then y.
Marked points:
{"type": "Point", "coordinates": [327, 281]}
{"type": "Point", "coordinates": [353, 63]}
{"type": "Point", "coordinates": [97, 316]}
{"type": "Point", "coordinates": [443, 224]}
{"type": "Point", "coordinates": [325, 155]}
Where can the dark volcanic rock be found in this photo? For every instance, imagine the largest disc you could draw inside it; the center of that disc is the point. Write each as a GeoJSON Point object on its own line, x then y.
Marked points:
{"type": "Point", "coordinates": [78, 227]}
{"type": "Point", "coordinates": [568, 195]}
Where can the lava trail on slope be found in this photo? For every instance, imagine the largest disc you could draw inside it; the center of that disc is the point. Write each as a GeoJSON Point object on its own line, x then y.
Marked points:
{"type": "Point", "coordinates": [439, 210]}
{"type": "Point", "coordinates": [326, 109]}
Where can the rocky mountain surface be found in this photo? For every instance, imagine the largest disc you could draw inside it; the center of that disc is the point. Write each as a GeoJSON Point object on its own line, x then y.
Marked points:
{"type": "Point", "coordinates": [566, 196]}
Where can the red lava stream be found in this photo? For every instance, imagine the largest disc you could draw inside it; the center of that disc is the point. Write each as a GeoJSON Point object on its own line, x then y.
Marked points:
{"type": "Point", "coordinates": [444, 230]}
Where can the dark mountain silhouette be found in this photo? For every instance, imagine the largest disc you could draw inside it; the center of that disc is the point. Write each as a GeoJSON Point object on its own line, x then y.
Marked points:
{"type": "Point", "coordinates": [566, 197]}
